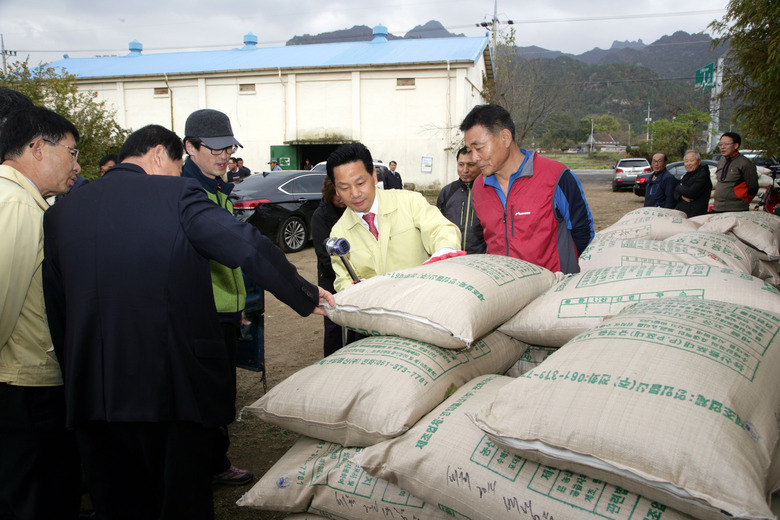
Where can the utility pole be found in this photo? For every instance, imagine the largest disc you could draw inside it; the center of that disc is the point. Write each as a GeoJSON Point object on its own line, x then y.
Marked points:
{"type": "Point", "coordinates": [5, 53]}
{"type": "Point", "coordinates": [648, 120]}
{"type": "Point", "coordinates": [592, 139]}
{"type": "Point", "coordinates": [493, 24]}
{"type": "Point", "coordinates": [717, 88]}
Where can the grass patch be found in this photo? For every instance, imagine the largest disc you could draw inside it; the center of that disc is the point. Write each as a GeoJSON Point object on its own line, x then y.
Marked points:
{"type": "Point", "coordinates": [587, 161]}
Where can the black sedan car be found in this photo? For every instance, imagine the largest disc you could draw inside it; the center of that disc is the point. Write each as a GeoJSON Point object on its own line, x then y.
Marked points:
{"type": "Point", "coordinates": [280, 204]}
{"type": "Point", "coordinates": [676, 168]}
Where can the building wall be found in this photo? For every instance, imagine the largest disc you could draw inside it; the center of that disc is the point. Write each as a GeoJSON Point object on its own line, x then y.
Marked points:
{"type": "Point", "coordinates": [401, 114]}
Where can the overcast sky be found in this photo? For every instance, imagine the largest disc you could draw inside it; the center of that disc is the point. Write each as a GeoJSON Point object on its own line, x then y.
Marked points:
{"type": "Point", "coordinates": [47, 29]}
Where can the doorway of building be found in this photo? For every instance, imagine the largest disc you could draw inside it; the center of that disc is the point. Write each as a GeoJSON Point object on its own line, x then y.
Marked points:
{"type": "Point", "coordinates": [293, 157]}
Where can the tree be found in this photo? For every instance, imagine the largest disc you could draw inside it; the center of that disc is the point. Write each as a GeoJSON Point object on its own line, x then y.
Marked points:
{"type": "Point", "coordinates": [100, 134]}
{"type": "Point", "coordinates": [677, 135]}
{"type": "Point", "coordinates": [526, 88]}
{"type": "Point", "coordinates": [562, 132]}
{"type": "Point", "coordinates": [752, 72]}
{"type": "Point", "coordinates": [605, 124]}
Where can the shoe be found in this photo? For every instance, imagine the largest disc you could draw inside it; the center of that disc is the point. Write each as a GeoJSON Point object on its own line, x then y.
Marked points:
{"type": "Point", "coordinates": [233, 476]}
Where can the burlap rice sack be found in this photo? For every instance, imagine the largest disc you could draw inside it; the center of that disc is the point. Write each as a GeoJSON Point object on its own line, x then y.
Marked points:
{"type": "Point", "coordinates": [450, 462]}
{"type": "Point", "coordinates": [727, 247]}
{"type": "Point", "coordinates": [758, 229]}
{"type": "Point", "coordinates": [650, 227]}
{"type": "Point", "coordinates": [676, 399]}
{"type": "Point", "coordinates": [583, 300]}
{"type": "Point", "coordinates": [323, 478]}
{"type": "Point", "coordinates": [531, 358]}
{"type": "Point", "coordinates": [653, 212]}
{"type": "Point", "coordinates": [450, 303]}
{"type": "Point", "coordinates": [610, 253]}
{"type": "Point", "coordinates": [378, 387]}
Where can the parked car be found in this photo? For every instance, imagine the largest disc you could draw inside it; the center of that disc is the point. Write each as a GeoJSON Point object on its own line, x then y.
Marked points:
{"type": "Point", "coordinates": [280, 204]}
{"type": "Point", "coordinates": [626, 171]}
{"type": "Point", "coordinates": [381, 169]}
{"type": "Point", "coordinates": [676, 168]}
{"type": "Point", "coordinates": [761, 158]}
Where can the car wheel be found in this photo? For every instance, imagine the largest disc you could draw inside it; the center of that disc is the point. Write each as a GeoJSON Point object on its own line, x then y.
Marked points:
{"type": "Point", "coordinates": [292, 235]}
{"type": "Point", "coordinates": [614, 186]}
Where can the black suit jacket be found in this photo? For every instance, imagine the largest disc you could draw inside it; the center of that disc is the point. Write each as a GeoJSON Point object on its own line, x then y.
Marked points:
{"type": "Point", "coordinates": [129, 299]}
{"type": "Point", "coordinates": [392, 181]}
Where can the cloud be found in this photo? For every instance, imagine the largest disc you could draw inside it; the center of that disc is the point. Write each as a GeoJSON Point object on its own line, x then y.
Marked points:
{"type": "Point", "coordinates": [99, 27]}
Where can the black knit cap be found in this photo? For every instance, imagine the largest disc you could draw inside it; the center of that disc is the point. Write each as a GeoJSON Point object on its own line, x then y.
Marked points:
{"type": "Point", "coordinates": [212, 127]}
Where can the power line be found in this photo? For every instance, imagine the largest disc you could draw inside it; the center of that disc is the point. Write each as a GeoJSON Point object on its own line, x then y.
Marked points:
{"type": "Point", "coordinates": [605, 82]}
{"type": "Point", "coordinates": [516, 21]}
{"type": "Point", "coordinates": [615, 17]}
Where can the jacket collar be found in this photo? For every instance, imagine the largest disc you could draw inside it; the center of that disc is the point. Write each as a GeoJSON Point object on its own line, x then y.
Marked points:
{"type": "Point", "coordinates": [526, 169]}
{"type": "Point", "coordinates": [387, 205]}
{"type": "Point", "coordinates": [192, 171]}
{"type": "Point", "coordinates": [16, 177]}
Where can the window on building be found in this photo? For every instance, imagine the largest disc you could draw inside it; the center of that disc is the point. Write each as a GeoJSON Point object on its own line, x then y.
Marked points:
{"type": "Point", "coordinates": [246, 88]}
{"type": "Point", "coordinates": [161, 92]}
{"type": "Point", "coordinates": [404, 83]}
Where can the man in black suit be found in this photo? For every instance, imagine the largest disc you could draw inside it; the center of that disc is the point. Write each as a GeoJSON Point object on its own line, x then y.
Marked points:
{"type": "Point", "coordinates": [134, 324]}
{"type": "Point", "coordinates": [243, 171]}
{"type": "Point", "coordinates": [392, 179]}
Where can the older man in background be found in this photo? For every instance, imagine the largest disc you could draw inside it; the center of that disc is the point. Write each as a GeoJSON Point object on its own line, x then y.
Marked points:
{"type": "Point", "coordinates": [659, 192]}
{"type": "Point", "coordinates": [693, 192]}
{"type": "Point", "coordinates": [736, 176]}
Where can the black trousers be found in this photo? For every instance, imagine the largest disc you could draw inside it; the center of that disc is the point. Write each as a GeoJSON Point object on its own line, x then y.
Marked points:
{"type": "Point", "coordinates": [219, 435]}
{"type": "Point", "coordinates": [40, 477]}
{"type": "Point", "coordinates": [148, 471]}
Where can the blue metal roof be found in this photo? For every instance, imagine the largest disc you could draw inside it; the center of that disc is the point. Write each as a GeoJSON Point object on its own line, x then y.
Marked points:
{"type": "Point", "coordinates": [250, 57]}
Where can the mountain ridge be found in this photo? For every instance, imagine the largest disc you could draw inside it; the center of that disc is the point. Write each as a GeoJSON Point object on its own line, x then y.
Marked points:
{"type": "Point", "coordinates": [672, 56]}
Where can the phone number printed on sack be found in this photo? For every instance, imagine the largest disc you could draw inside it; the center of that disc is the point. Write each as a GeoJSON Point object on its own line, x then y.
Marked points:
{"type": "Point", "coordinates": [633, 385]}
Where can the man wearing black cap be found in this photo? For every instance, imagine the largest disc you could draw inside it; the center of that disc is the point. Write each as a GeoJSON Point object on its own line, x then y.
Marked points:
{"type": "Point", "coordinates": [209, 142]}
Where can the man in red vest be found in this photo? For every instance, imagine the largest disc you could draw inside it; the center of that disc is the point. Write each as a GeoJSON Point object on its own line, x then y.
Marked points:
{"type": "Point", "coordinates": [530, 207]}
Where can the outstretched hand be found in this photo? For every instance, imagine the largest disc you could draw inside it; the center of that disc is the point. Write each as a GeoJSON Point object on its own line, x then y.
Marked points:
{"type": "Point", "coordinates": [324, 296]}
{"type": "Point", "coordinates": [444, 256]}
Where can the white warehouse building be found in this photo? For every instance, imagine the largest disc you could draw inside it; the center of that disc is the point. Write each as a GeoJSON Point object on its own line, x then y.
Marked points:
{"type": "Point", "coordinates": [404, 99]}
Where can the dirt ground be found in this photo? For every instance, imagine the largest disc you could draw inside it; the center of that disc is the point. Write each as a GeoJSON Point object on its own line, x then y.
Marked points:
{"type": "Point", "coordinates": [292, 343]}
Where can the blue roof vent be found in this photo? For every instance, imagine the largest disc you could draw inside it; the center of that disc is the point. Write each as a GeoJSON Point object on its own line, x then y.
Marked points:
{"type": "Point", "coordinates": [380, 34]}
{"type": "Point", "coordinates": [135, 48]}
{"type": "Point", "coordinates": [66, 56]}
{"type": "Point", "coordinates": [250, 41]}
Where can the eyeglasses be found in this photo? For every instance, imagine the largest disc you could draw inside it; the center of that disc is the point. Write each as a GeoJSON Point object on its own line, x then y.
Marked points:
{"type": "Point", "coordinates": [230, 150]}
{"type": "Point", "coordinates": [73, 151]}
{"type": "Point", "coordinates": [726, 144]}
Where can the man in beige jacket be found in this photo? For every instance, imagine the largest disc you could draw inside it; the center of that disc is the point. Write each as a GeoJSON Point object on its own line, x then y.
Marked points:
{"type": "Point", "coordinates": [39, 467]}
{"type": "Point", "coordinates": [388, 230]}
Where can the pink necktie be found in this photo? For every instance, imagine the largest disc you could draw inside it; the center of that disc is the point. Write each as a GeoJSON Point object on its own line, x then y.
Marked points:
{"type": "Point", "coordinates": [369, 217]}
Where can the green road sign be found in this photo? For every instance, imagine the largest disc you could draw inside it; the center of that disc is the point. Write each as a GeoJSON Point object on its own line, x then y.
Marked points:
{"type": "Point", "coordinates": [705, 77]}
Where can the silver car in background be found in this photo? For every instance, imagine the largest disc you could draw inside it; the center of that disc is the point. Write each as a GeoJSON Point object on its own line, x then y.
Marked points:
{"type": "Point", "coordinates": [626, 171]}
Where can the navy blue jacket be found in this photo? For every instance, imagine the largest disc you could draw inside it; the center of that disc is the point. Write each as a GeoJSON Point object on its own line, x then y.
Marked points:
{"type": "Point", "coordinates": [660, 192]}
{"type": "Point", "coordinates": [129, 300]}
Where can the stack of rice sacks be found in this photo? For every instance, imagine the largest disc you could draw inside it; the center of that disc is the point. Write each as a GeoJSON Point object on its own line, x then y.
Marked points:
{"type": "Point", "coordinates": [666, 335]}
